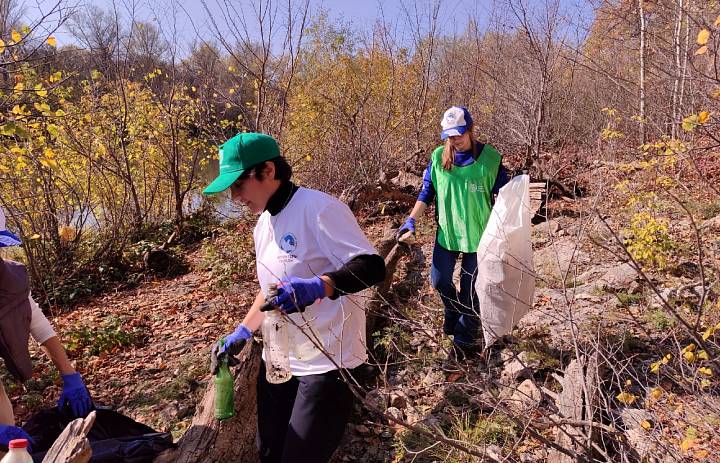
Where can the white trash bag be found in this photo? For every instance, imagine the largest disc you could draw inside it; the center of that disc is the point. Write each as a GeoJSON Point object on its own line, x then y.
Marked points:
{"type": "Point", "coordinates": [506, 279]}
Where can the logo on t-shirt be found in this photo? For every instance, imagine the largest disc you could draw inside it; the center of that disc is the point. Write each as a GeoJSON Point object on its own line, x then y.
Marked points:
{"type": "Point", "coordinates": [288, 243]}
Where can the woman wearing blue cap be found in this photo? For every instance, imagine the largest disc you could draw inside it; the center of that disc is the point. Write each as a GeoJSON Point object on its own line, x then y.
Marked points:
{"type": "Point", "coordinates": [310, 245]}
{"type": "Point", "coordinates": [21, 317]}
{"type": "Point", "coordinates": [463, 175]}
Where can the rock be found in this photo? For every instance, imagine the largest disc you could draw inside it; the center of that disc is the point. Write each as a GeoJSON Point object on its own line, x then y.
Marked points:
{"type": "Point", "coordinates": [170, 412]}
{"type": "Point", "coordinates": [526, 397]}
{"type": "Point", "coordinates": [554, 260]}
{"type": "Point", "coordinates": [618, 277]}
{"type": "Point", "coordinates": [395, 413]}
{"type": "Point", "coordinates": [362, 429]}
{"type": "Point", "coordinates": [433, 378]}
{"type": "Point", "coordinates": [550, 227]}
{"type": "Point", "coordinates": [376, 399]}
{"type": "Point", "coordinates": [711, 223]}
{"type": "Point", "coordinates": [413, 415]}
{"type": "Point", "coordinates": [515, 370]}
{"type": "Point", "coordinates": [399, 399]}
{"type": "Point", "coordinates": [494, 452]}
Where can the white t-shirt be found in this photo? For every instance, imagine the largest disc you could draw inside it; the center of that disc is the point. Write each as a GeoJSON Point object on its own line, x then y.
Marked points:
{"type": "Point", "coordinates": [315, 234]}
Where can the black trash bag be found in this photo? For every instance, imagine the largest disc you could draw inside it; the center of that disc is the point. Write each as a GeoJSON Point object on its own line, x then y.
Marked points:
{"type": "Point", "coordinates": [114, 437]}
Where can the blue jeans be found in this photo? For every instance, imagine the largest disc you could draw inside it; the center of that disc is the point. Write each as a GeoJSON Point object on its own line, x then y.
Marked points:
{"type": "Point", "coordinates": [462, 313]}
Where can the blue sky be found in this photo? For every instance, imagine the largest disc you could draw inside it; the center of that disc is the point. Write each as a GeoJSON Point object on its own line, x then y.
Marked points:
{"type": "Point", "coordinates": [191, 16]}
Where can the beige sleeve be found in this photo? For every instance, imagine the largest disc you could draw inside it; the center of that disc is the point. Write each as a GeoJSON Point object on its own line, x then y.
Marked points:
{"type": "Point", "coordinates": [40, 328]}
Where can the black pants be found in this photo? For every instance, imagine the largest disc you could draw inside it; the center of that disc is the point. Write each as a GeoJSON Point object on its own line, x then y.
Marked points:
{"type": "Point", "coordinates": [303, 419]}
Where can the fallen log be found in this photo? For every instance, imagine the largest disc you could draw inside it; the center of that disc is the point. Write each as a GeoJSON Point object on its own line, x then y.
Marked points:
{"type": "Point", "coordinates": [579, 402]}
{"type": "Point", "coordinates": [72, 446]}
{"type": "Point", "coordinates": [389, 249]}
{"type": "Point", "coordinates": [208, 440]}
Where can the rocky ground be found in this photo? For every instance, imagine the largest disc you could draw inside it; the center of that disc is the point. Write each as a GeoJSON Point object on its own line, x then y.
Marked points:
{"type": "Point", "coordinates": [144, 351]}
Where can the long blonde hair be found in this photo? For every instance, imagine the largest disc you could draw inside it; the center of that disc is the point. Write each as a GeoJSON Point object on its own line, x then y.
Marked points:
{"type": "Point", "coordinates": [448, 154]}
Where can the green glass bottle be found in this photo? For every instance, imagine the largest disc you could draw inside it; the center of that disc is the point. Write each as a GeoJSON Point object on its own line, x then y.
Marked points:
{"type": "Point", "coordinates": [224, 389]}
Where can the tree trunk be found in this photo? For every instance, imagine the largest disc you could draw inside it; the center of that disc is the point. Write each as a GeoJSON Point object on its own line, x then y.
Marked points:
{"type": "Point", "coordinates": [209, 440]}
{"type": "Point", "coordinates": [641, 8]}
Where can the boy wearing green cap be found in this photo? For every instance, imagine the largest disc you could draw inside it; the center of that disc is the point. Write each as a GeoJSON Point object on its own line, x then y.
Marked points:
{"type": "Point", "coordinates": [309, 245]}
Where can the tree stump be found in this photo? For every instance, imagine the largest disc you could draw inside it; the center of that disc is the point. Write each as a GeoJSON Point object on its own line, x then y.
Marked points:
{"type": "Point", "coordinates": [209, 440]}
{"type": "Point", "coordinates": [72, 446]}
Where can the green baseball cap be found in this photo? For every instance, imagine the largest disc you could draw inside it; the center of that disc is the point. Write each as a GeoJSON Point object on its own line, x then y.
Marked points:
{"type": "Point", "coordinates": [240, 153]}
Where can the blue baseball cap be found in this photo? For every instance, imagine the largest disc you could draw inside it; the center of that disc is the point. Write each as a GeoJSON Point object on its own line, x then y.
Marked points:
{"type": "Point", "coordinates": [6, 238]}
{"type": "Point", "coordinates": [455, 122]}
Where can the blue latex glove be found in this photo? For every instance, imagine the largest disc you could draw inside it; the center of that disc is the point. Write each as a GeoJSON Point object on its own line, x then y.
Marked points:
{"type": "Point", "coordinates": [295, 294]}
{"type": "Point", "coordinates": [76, 395]}
{"type": "Point", "coordinates": [228, 347]}
{"type": "Point", "coordinates": [408, 226]}
{"type": "Point", "coordinates": [8, 433]}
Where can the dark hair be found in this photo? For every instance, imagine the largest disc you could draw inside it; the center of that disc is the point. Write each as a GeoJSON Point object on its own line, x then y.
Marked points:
{"type": "Point", "coordinates": [283, 170]}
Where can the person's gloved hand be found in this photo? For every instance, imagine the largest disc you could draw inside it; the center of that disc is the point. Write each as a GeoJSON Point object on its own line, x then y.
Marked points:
{"type": "Point", "coordinates": [228, 347]}
{"type": "Point", "coordinates": [295, 294]}
{"type": "Point", "coordinates": [8, 433]}
{"type": "Point", "coordinates": [408, 226]}
{"type": "Point", "coordinates": [76, 395]}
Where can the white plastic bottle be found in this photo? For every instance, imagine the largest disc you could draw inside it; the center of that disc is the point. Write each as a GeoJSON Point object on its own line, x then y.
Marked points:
{"type": "Point", "coordinates": [18, 452]}
{"type": "Point", "coordinates": [276, 347]}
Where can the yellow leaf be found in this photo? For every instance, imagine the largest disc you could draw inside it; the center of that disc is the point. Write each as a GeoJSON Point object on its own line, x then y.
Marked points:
{"type": "Point", "coordinates": [705, 371]}
{"type": "Point", "coordinates": [52, 41]}
{"type": "Point", "coordinates": [626, 398]}
{"type": "Point", "coordinates": [703, 117]}
{"type": "Point", "coordinates": [717, 22]}
{"type": "Point", "coordinates": [35, 237]}
{"type": "Point", "coordinates": [49, 153]}
{"type": "Point", "coordinates": [703, 37]}
{"type": "Point", "coordinates": [646, 425]}
{"type": "Point", "coordinates": [55, 76]}
{"type": "Point", "coordinates": [40, 91]}
{"type": "Point", "coordinates": [690, 348]}
{"type": "Point", "coordinates": [656, 393]}
{"type": "Point", "coordinates": [628, 382]}
{"type": "Point", "coordinates": [49, 163]}
{"type": "Point", "coordinates": [689, 357]}
{"type": "Point", "coordinates": [2, 45]}
{"type": "Point", "coordinates": [702, 355]}
{"type": "Point", "coordinates": [16, 109]}
{"type": "Point", "coordinates": [686, 444]}
{"type": "Point", "coordinates": [705, 383]}
{"type": "Point", "coordinates": [66, 233]}
{"type": "Point", "coordinates": [19, 87]}
{"type": "Point", "coordinates": [16, 37]}
{"type": "Point", "coordinates": [59, 113]}
{"type": "Point", "coordinates": [708, 332]}
{"type": "Point", "coordinates": [700, 454]}
{"type": "Point", "coordinates": [308, 157]}
{"type": "Point", "coordinates": [701, 50]}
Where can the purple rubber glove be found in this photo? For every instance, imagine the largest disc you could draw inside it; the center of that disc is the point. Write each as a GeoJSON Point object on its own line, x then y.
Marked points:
{"type": "Point", "coordinates": [228, 347]}
{"type": "Point", "coordinates": [8, 433]}
{"type": "Point", "coordinates": [76, 395]}
{"type": "Point", "coordinates": [297, 293]}
{"type": "Point", "coordinates": [408, 226]}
